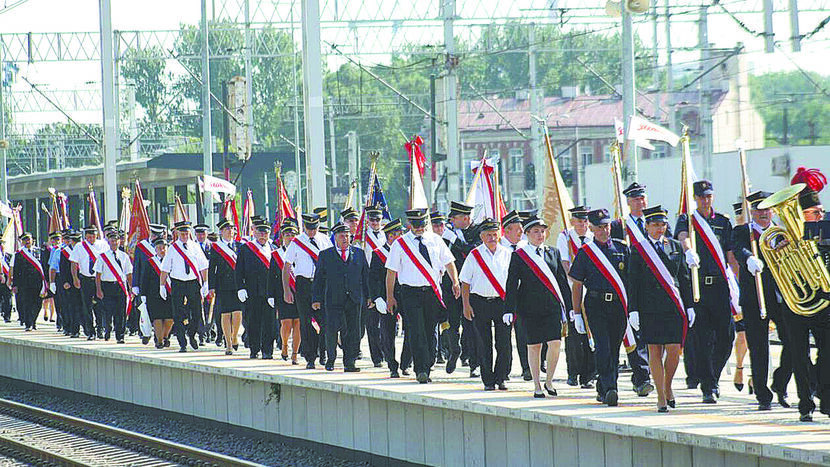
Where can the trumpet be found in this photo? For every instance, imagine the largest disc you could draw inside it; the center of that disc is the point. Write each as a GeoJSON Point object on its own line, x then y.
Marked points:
{"type": "Point", "coordinates": [795, 263]}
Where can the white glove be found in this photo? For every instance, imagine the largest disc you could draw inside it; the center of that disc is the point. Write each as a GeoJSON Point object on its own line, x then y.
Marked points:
{"type": "Point", "coordinates": [754, 265]}
{"type": "Point", "coordinates": [380, 305]}
{"type": "Point", "coordinates": [692, 258]}
{"type": "Point", "coordinates": [271, 302]}
{"type": "Point", "coordinates": [163, 292]}
{"type": "Point", "coordinates": [634, 320]}
{"type": "Point", "coordinates": [204, 290]}
{"type": "Point", "coordinates": [507, 318]}
{"type": "Point", "coordinates": [143, 307]}
{"type": "Point", "coordinates": [136, 291]}
{"type": "Point", "coordinates": [52, 287]}
{"type": "Point", "coordinates": [242, 294]}
{"type": "Point", "coordinates": [690, 315]}
{"type": "Point", "coordinates": [579, 323]}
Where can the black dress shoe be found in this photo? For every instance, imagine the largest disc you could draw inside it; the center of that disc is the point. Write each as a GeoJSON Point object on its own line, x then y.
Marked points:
{"type": "Point", "coordinates": [501, 386]}
{"type": "Point", "coordinates": [167, 342]}
{"type": "Point", "coordinates": [663, 409]}
{"type": "Point", "coordinates": [473, 373]}
{"type": "Point", "coordinates": [691, 384]}
{"type": "Point", "coordinates": [119, 341]}
{"type": "Point", "coordinates": [194, 343]}
{"type": "Point", "coordinates": [489, 387]}
{"type": "Point", "coordinates": [394, 374]}
{"type": "Point", "coordinates": [74, 336]}
{"type": "Point", "coordinates": [351, 369]}
{"type": "Point", "coordinates": [378, 365]}
{"type": "Point", "coordinates": [268, 357]}
{"type": "Point", "coordinates": [527, 376]}
{"type": "Point", "coordinates": [538, 395]}
{"type": "Point", "coordinates": [644, 389]}
{"type": "Point", "coordinates": [782, 399]}
{"type": "Point", "coordinates": [423, 378]}
{"type": "Point", "coordinates": [671, 402]}
{"type": "Point", "coordinates": [329, 367]}
{"type": "Point", "coordinates": [183, 350]}
{"type": "Point", "coordinates": [587, 385]}
{"type": "Point", "coordinates": [451, 364]}
{"type": "Point", "coordinates": [764, 406]}
{"type": "Point", "coordinates": [253, 356]}
{"type": "Point", "coordinates": [709, 399]}
{"type": "Point", "coordinates": [572, 381]}
{"type": "Point", "coordinates": [600, 398]}
{"type": "Point", "coordinates": [550, 391]}
{"type": "Point", "coordinates": [309, 366]}
{"type": "Point", "coordinates": [405, 372]}
{"type": "Point", "coordinates": [805, 417]}
{"type": "Point", "coordinates": [145, 340]}
{"type": "Point", "coordinates": [90, 338]}
{"type": "Point", "coordinates": [439, 359]}
{"type": "Point", "coordinates": [611, 398]}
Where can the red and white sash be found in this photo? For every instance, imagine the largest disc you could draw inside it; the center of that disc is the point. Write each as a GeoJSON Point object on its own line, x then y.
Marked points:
{"type": "Point", "coordinates": [311, 250]}
{"type": "Point", "coordinates": [225, 252]}
{"type": "Point", "coordinates": [658, 268]}
{"type": "Point", "coordinates": [707, 235]}
{"type": "Point", "coordinates": [488, 272]}
{"type": "Point", "coordinates": [371, 241]}
{"type": "Point", "coordinates": [156, 265]}
{"type": "Point", "coordinates": [147, 248]}
{"type": "Point", "coordinates": [90, 253]}
{"type": "Point", "coordinates": [257, 251]}
{"type": "Point", "coordinates": [277, 255]}
{"type": "Point", "coordinates": [187, 260]}
{"type": "Point", "coordinates": [120, 278]}
{"type": "Point", "coordinates": [542, 271]}
{"type": "Point", "coordinates": [757, 230]}
{"type": "Point", "coordinates": [613, 277]}
{"type": "Point", "coordinates": [36, 264]}
{"type": "Point", "coordinates": [382, 252]}
{"type": "Point", "coordinates": [66, 251]}
{"type": "Point", "coordinates": [419, 261]}
{"type": "Point", "coordinates": [573, 242]}
{"type": "Point", "coordinates": [4, 266]}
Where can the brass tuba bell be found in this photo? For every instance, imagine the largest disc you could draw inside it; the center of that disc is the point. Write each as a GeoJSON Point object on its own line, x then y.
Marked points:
{"type": "Point", "coordinates": [795, 263]}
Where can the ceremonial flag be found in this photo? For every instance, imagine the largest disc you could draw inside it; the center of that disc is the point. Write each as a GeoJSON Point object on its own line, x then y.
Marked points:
{"type": "Point", "coordinates": [247, 212]}
{"type": "Point", "coordinates": [94, 217]}
{"type": "Point", "coordinates": [230, 213]}
{"type": "Point", "coordinates": [641, 130]}
{"type": "Point", "coordinates": [6, 210]}
{"type": "Point", "coordinates": [484, 195]}
{"type": "Point", "coordinates": [557, 200]}
{"type": "Point", "coordinates": [139, 227]}
{"type": "Point", "coordinates": [375, 198]}
{"type": "Point", "coordinates": [417, 195]}
{"type": "Point", "coordinates": [179, 214]}
{"type": "Point", "coordinates": [126, 211]}
{"type": "Point", "coordinates": [284, 209]}
{"type": "Point", "coordinates": [11, 234]}
{"type": "Point", "coordinates": [55, 219]}
{"type": "Point", "coordinates": [413, 148]}
{"type": "Point", "coordinates": [63, 210]}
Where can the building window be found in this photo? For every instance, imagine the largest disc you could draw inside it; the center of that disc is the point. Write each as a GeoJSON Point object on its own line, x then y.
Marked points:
{"type": "Point", "coordinates": [468, 156]}
{"type": "Point", "coordinates": [517, 160]}
{"type": "Point", "coordinates": [659, 151]}
{"type": "Point", "coordinates": [586, 155]}
{"type": "Point", "coordinates": [563, 157]}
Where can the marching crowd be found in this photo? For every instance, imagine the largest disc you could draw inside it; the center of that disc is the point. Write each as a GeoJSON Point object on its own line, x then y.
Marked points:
{"type": "Point", "coordinates": [460, 292]}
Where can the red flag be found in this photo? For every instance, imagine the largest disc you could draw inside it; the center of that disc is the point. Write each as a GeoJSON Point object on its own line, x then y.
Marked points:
{"type": "Point", "coordinates": [94, 217]}
{"type": "Point", "coordinates": [284, 209]}
{"type": "Point", "coordinates": [413, 148]}
{"type": "Point", "coordinates": [139, 228]}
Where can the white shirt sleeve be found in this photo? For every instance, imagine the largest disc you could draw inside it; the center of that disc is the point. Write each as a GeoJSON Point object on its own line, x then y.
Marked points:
{"type": "Point", "coordinates": [444, 254]}
{"type": "Point", "coordinates": [201, 262]}
{"type": "Point", "coordinates": [167, 262]}
{"type": "Point", "coordinates": [290, 254]}
{"type": "Point", "coordinates": [467, 270]}
{"type": "Point", "coordinates": [325, 243]}
{"type": "Point", "coordinates": [393, 259]}
{"type": "Point", "coordinates": [75, 256]}
{"type": "Point", "coordinates": [126, 263]}
{"type": "Point", "coordinates": [562, 246]}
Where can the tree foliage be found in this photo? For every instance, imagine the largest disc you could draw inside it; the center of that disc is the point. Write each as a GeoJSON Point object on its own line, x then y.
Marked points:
{"type": "Point", "coordinates": [807, 107]}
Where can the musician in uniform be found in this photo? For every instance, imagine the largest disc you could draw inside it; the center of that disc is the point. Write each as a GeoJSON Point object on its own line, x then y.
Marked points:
{"type": "Point", "coordinates": [341, 282]}
{"type": "Point", "coordinates": [113, 271]}
{"type": "Point", "coordinates": [660, 297]}
{"type": "Point", "coordinates": [740, 326]}
{"type": "Point", "coordinates": [537, 292]}
{"type": "Point", "coordinates": [483, 278]}
{"type": "Point", "coordinates": [186, 265]}
{"type": "Point", "coordinates": [578, 354]}
{"type": "Point", "coordinates": [600, 267]}
{"type": "Point", "coordinates": [83, 259]}
{"type": "Point", "coordinates": [28, 282]}
{"type": "Point", "coordinates": [286, 312]}
{"type": "Point", "coordinates": [460, 227]}
{"type": "Point", "coordinates": [253, 271]}
{"type": "Point", "coordinates": [757, 328]}
{"type": "Point", "coordinates": [511, 225]}
{"type": "Point", "coordinates": [415, 260]}
{"type": "Point", "coordinates": [301, 261]}
{"type": "Point", "coordinates": [715, 330]}
{"type": "Point", "coordinates": [377, 289]}
{"type": "Point", "coordinates": [159, 308]}
{"type": "Point", "coordinates": [222, 279]}
{"type": "Point", "coordinates": [637, 200]}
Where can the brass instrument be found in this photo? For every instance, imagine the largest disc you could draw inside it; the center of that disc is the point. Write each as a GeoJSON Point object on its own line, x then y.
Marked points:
{"type": "Point", "coordinates": [795, 263]}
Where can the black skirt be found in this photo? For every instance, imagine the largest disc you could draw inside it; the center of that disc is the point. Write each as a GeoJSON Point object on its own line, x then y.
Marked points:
{"type": "Point", "coordinates": [226, 302]}
{"type": "Point", "coordinates": [287, 310]}
{"type": "Point", "coordinates": [542, 328]}
{"type": "Point", "coordinates": [665, 327]}
{"type": "Point", "coordinates": [159, 309]}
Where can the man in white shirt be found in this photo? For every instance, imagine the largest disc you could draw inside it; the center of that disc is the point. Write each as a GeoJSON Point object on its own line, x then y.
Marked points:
{"type": "Point", "coordinates": [513, 240]}
{"type": "Point", "coordinates": [83, 258]}
{"type": "Point", "coordinates": [186, 266]}
{"type": "Point", "coordinates": [415, 260]}
{"type": "Point", "coordinates": [483, 278]}
{"type": "Point", "coordinates": [301, 260]}
{"type": "Point", "coordinates": [113, 272]}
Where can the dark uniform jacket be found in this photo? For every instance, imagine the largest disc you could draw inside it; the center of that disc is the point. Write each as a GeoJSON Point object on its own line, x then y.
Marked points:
{"type": "Point", "coordinates": [149, 282]}
{"type": "Point", "coordinates": [26, 276]}
{"type": "Point", "coordinates": [377, 276]}
{"type": "Point", "coordinates": [337, 282]}
{"type": "Point", "coordinates": [275, 284]}
{"type": "Point", "coordinates": [722, 228]}
{"type": "Point", "coordinates": [251, 273]}
{"type": "Point", "coordinates": [618, 229]}
{"type": "Point", "coordinates": [64, 275]}
{"type": "Point", "coordinates": [527, 295]}
{"type": "Point", "coordinates": [140, 259]}
{"type": "Point", "coordinates": [645, 294]}
{"type": "Point", "coordinates": [584, 270]}
{"type": "Point", "coordinates": [221, 276]}
{"type": "Point", "coordinates": [743, 250]}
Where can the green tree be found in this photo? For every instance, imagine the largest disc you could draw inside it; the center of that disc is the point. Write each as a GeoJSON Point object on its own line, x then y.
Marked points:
{"type": "Point", "coordinates": [807, 107]}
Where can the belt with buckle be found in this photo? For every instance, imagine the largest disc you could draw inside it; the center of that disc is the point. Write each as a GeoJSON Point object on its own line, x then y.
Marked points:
{"type": "Point", "coordinates": [711, 280]}
{"type": "Point", "coordinates": [604, 296]}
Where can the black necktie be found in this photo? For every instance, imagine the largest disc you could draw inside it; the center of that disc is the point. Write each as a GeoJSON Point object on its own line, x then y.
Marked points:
{"type": "Point", "coordinates": [659, 246]}
{"type": "Point", "coordinates": [186, 266]}
{"type": "Point", "coordinates": [313, 242]}
{"type": "Point", "coordinates": [116, 260]}
{"type": "Point", "coordinates": [582, 239]}
{"type": "Point", "coordinates": [91, 261]}
{"type": "Point", "coordinates": [539, 250]}
{"type": "Point", "coordinates": [513, 246]}
{"type": "Point", "coordinates": [423, 249]}
{"type": "Point", "coordinates": [640, 225]}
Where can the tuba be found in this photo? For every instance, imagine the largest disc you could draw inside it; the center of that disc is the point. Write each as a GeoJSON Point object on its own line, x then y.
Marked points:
{"type": "Point", "coordinates": [794, 262]}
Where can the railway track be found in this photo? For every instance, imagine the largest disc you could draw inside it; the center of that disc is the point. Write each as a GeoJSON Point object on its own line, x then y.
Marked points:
{"type": "Point", "coordinates": [41, 437]}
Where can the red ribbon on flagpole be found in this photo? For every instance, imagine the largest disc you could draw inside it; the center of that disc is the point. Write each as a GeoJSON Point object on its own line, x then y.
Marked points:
{"type": "Point", "coordinates": [413, 148]}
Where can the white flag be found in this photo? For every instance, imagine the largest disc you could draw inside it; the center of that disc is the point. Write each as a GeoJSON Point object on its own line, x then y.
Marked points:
{"type": "Point", "coordinates": [216, 185]}
{"type": "Point", "coordinates": [618, 128]}
{"type": "Point", "coordinates": [640, 129]}
{"type": "Point", "coordinates": [6, 210]}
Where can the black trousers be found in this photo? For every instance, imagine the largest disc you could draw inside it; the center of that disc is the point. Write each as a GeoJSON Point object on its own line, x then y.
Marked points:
{"type": "Point", "coordinates": [262, 324]}
{"type": "Point", "coordinates": [312, 345]}
{"type": "Point", "coordinates": [28, 305]}
{"type": "Point", "coordinates": [345, 322]}
{"type": "Point", "coordinates": [607, 321]}
{"type": "Point", "coordinates": [714, 333]}
{"type": "Point", "coordinates": [799, 329]}
{"type": "Point", "coordinates": [187, 309]}
{"type": "Point", "coordinates": [487, 319]}
{"type": "Point", "coordinates": [371, 323]}
{"type": "Point", "coordinates": [5, 302]}
{"type": "Point", "coordinates": [114, 305]}
{"type": "Point", "coordinates": [406, 350]}
{"type": "Point", "coordinates": [578, 356]}
{"type": "Point", "coordinates": [88, 305]}
{"type": "Point", "coordinates": [388, 325]}
{"type": "Point", "coordinates": [452, 335]}
{"type": "Point", "coordinates": [420, 317]}
{"type": "Point", "coordinates": [638, 361]}
{"type": "Point", "coordinates": [132, 320]}
{"type": "Point", "coordinates": [521, 346]}
{"type": "Point", "coordinates": [757, 340]}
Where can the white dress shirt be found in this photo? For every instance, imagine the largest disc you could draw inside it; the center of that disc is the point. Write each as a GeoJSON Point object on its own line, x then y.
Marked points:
{"type": "Point", "coordinates": [104, 270]}
{"type": "Point", "coordinates": [506, 243]}
{"type": "Point", "coordinates": [378, 238]}
{"type": "Point", "coordinates": [264, 250]}
{"type": "Point", "coordinates": [302, 264]}
{"type": "Point", "coordinates": [408, 273]}
{"type": "Point", "coordinates": [562, 243]}
{"type": "Point", "coordinates": [80, 256]}
{"type": "Point", "coordinates": [472, 274]}
{"type": "Point", "coordinates": [174, 264]}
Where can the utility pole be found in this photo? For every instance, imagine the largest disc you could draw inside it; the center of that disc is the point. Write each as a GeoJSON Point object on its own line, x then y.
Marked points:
{"type": "Point", "coordinates": [705, 87]}
{"type": "Point", "coordinates": [454, 159]}
{"type": "Point", "coordinates": [769, 35]}
{"type": "Point", "coordinates": [536, 152]}
{"type": "Point", "coordinates": [332, 152]}
{"type": "Point", "coordinates": [433, 137]}
{"type": "Point", "coordinates": [315, 157]}
{"type": "Point", "coordinates": [207, 152]}
{"type": "Point", "coordinates": [669, 78]}
{"type": "Point", "coordinates": [110, 117]}
{"type": "Point", "coordinates": [249, 79]}
{"type": "Point", "coordinates": [4, 183]}
{"type": "Point", "coordinates": [796, 35]}
{"type": "Point", "coordinates": [628, 90]}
